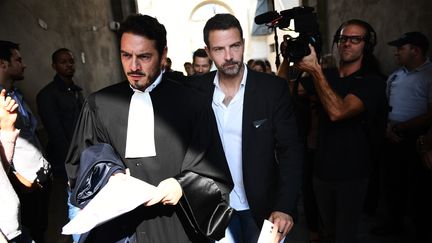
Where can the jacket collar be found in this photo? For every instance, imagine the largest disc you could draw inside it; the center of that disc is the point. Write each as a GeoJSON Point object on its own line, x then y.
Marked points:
{"type": "Point", "coordinates": [61, 85]}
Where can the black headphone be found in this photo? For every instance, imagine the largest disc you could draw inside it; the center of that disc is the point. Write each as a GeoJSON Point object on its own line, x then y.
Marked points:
{"type": "Point", "coordinates": [370, 36]}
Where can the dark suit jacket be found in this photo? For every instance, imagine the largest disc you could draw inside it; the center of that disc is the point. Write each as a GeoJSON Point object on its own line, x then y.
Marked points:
{"type": "Point", "coordinates": [272, 151]}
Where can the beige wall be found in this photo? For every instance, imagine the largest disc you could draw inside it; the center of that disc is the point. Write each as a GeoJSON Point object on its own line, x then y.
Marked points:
{"type": "Point", "coordinates": [69, 24]}
{"type": "Point", "coordinates": [389, 18]}
{"type": "Point", "coordinates": [185, 36]}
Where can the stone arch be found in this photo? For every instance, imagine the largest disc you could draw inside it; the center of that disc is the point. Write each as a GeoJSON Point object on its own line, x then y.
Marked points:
{"type": "Point", "coordinates": [216, 2]}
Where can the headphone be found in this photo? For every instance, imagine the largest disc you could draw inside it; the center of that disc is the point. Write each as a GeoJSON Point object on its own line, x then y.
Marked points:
{"type": "Point", "coordinates": [370, 36]}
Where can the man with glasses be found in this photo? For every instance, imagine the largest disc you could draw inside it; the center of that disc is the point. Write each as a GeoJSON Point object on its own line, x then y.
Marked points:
{"type": "Point", "coordinates": [350, 98]}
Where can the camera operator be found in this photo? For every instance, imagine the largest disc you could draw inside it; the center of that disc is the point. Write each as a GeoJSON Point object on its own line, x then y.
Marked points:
{"type": "Point", "coordinates": [350, 97]}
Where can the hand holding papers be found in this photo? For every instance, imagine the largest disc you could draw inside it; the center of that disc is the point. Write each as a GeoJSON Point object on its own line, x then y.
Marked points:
{"type": "Point", "coordinates": [269, 233]}
{"type": "Point", "coordinates": [168, 192]}
{"type": "Point", "coordinates": [121, 194]}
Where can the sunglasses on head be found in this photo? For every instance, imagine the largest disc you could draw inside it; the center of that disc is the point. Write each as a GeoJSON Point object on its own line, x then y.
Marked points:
{"type": "Point", "coordinates": [354, 39]}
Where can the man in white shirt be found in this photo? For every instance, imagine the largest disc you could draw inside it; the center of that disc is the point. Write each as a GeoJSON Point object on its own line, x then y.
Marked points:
{"type": "Point", "coordinates": [258, 130]}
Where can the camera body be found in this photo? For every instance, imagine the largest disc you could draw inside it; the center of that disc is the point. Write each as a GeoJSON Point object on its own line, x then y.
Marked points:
{"type": "Point", "coordinates": [305, 23]}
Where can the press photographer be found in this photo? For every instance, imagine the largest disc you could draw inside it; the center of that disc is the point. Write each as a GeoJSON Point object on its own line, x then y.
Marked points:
{"type": "Point", "coordinates": [352, 99]}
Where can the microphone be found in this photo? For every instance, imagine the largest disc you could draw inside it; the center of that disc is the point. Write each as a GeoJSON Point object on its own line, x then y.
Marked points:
{"type": "Point", "coordinates": [294, 12]}
{"type": "Point", "coordinates": [266, 17]}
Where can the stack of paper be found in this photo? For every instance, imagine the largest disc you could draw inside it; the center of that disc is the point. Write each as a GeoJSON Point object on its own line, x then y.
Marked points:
{"type": "Point", "coordinates": [121, 194]}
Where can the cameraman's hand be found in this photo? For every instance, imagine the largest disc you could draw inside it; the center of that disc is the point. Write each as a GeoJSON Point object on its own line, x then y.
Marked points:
{"type": "Point", "coordinates": [283, 45]}
{"type": "Point", "coordinates": [392, 136]}
{"type": "Point", "coordinates": [309, 63]}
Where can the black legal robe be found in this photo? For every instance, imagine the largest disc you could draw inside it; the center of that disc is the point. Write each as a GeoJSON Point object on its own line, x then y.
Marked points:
{"type": "Point", "coordinates": [188, 148]}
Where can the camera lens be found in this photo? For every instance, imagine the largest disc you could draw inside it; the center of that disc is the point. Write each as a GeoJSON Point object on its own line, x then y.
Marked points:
{"type": "Point", "coordinates": [297, 48]}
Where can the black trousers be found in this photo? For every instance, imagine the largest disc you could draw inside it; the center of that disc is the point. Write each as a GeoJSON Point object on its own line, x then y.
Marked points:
{"type": "Point", "coordinates": [309, 201]}
{"type": "Point", "coordinates": [407, 188]}
{"type": "Point", "coordinates": [340, 205]}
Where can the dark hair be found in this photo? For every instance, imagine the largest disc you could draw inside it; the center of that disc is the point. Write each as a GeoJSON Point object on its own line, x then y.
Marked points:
{"type": "Point", "coordinates": [260, 63]}
{"type": "Point", "coordinates": [55, 54]}
{"type": "Point", "coordinates": [221, 22]}
{"type": "Point", "coordinates": [200, 52]}
{"type": "Point", "coordinates": [6, 48]}
{"type": "Point", "coordinates": [146, 26]}
{"type": "Point", "coordinates": [250, 62]}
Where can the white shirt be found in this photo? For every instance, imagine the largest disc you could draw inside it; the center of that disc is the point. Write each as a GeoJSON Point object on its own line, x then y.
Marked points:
{"type": "Point", "coordinates": [140, 130]}
{"type": "Point", "coordinates": [229, 121]}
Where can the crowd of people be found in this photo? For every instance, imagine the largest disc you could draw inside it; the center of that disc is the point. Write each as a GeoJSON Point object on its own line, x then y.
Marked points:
{"type": "Point", "coordinates": [230, 148]}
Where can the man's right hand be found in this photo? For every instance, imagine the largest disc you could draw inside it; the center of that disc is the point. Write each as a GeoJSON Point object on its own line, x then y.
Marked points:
{"type": "Point", "coordinates": [309, 63]}
{"type": "Point", "coordinates": [392, 136]}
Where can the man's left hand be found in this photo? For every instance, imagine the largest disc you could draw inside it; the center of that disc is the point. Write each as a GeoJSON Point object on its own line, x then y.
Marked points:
{"type": "Point", "coordinates": [168, 192]}
{"type": "Point", "coordinates": [284, 223]}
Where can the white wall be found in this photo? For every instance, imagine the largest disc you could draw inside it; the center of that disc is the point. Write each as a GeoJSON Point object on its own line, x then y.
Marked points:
{"type": "Point", "coordinates": [185, 36]}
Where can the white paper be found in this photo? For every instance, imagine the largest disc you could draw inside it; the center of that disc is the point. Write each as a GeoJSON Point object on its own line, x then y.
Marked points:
{"type": "Point", "coordinates": [120, 195]}
{"type": "Point", "coordinates": [268, 233]}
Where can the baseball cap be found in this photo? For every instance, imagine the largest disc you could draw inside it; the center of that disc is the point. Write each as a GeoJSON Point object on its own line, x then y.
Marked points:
{"type": "Point", "coordinates": [414, 38]}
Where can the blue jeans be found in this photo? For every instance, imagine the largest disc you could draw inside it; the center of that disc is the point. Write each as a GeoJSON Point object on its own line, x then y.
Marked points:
{"type": "Point", "coordinates": [72, 212]}
{"type": "Point", "coordinates": [241, 229]}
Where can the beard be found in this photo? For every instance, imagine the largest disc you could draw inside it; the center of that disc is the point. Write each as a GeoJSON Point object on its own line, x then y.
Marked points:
{"type": "Point", "coordinates": [144, 81]}
{"type": "Point", "coordinates": [231, 68]}
{"type": "Point", "coordinates": [349, 55]}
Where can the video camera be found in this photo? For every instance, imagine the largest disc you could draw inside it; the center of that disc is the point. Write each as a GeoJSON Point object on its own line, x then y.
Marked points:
{"type": "Point", "coordinates": [305, 23]}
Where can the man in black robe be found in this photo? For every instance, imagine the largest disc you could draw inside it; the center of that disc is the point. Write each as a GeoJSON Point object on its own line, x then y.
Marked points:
{"type": "Point", "coordinates": [166, 136]}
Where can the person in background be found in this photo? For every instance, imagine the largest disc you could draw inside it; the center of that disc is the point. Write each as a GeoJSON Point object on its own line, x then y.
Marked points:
{"type": "Point", "coordinates": [188, 68]}
{"type": "Point", "coordinates": [59, 104]}
{"type": "Point", "coordinates": [34, 180]}
{"type": "Point", "coordinates": [250, 62]}
{"type": "Point", "coordinates": [259, 66]}
{"type": "Point", "coordinates": [10, 227]}
{"type": "Point", "coordinates": [350, 98]}
{"type": "Point", "coordinates": [169, 72]}
{"type": "Point", "coordinates": [201, 62]}
{"type": "Point", "coordinates": [268, 67]}
{"type": "Point", "coordinates": [409, 92]}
